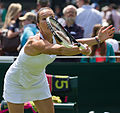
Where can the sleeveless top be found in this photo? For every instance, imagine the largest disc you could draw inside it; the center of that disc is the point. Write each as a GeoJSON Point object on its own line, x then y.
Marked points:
{"type": "Point", "coordinates": [29, 70]}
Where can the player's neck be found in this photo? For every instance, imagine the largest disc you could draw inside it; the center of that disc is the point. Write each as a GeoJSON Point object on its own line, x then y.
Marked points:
{"type": "Point", "coordinates": [48, 37]}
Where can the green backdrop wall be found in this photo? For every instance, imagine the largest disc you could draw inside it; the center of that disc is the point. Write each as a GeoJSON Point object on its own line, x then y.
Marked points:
{"type": "Point", "coordinates": [98, 84]}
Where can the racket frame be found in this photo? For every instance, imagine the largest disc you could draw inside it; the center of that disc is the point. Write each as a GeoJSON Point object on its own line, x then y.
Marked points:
{"type": "Point", "coordinates": [68, 34]}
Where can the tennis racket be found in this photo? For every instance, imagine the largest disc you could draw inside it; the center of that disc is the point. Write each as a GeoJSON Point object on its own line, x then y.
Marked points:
{"type": "Point", "coordinates": [61, 34]}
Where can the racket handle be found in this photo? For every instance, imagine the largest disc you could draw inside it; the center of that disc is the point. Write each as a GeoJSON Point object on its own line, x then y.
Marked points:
{"type": "Point", "coordinates": [81, 46]}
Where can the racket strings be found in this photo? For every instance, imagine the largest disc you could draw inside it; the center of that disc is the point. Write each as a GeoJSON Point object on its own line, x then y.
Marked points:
{"type": "Point", "coordinates": [56, 28]}
{"type": "Point", "coordinates": [59, 32]}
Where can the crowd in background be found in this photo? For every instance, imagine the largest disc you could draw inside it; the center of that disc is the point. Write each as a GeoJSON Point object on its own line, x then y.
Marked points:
{"type": "Point", "coordinates": [79, 19]}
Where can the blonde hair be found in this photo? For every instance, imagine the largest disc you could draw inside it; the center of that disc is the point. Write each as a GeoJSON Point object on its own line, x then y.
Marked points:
{"type": "Point", "coordinates": [13, 10]}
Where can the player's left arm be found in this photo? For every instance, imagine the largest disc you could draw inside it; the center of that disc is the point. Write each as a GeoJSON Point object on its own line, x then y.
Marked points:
{"type": "Point", "coordinates": [103, 34]}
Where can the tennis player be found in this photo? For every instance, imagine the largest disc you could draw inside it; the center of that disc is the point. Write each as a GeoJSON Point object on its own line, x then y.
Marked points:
{"type": "Point", "coordinates": [25, 80]}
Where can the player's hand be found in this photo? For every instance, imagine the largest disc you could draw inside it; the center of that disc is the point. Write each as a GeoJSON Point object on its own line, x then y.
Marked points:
{"type": "Point", "coordinates": [86, 51]}
{"type": "Point", "coordinates": [105, 33]}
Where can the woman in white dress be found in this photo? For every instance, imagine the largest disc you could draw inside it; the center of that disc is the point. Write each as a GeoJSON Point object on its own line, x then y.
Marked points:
{"type": "Point", "coordinates": [25, 80]}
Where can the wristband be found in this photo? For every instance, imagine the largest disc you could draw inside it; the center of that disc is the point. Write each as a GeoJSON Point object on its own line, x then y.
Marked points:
{"type": "Point", "coordinates": [98, 40]}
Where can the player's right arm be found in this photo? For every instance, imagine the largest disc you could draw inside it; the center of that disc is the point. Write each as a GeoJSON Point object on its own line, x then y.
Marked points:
{"type": "Point", "coordinates": [36, 46]}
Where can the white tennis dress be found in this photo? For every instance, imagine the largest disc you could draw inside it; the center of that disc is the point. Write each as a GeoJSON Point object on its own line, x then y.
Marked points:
{"type": "Point", "coordinates": [25, 80]}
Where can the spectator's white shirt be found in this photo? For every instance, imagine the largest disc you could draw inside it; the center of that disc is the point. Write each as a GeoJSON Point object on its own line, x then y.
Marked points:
{"type": "Point", "coordinates": [87, 17]}
{"type": "Point", "coordinates": [114, 44]}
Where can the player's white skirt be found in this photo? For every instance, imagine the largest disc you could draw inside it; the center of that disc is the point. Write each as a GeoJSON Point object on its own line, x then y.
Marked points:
{"type": "Point", "coordinates": [16, 93]}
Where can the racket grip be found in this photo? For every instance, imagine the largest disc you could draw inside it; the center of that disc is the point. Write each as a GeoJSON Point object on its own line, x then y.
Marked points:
{"type": "Point", "coordinates": [81, 46]}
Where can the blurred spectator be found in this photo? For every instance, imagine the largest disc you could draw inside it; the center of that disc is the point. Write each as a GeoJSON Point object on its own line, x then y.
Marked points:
{"type": "Point", "coordinates": [58, 13]}
{"type": "Point", "coordinates": [70, 13]}
{"type": "Point", "coordinates": [114, 16]}
{"type": "Point", "coordinates": [100, 51]}
{"type": "Point", "coordinates": [114, 44]}
{"type": "Point", "coordinates": [87, 17]}
{"type": "Point", "coordinates": [3, 12]}
{"type": "Point", "coordinates": [12, 24]}
{"type": "Point", "coordinates": [79, 3]}
{"type": "Point", "coordinates": [40, 4]}
{"type": "Point", "coordinates": [30, 29]}
{"type": "Point", "coordinates": [118, 8]}
{"type": "Point", "coordinates": [95, 6]}
{"type": "Point", "coordinates": [110, 16]}
{"type": "Point", "coordinates": [105, 12]}
{"type": "Point", "coordinates": [59, 16]}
